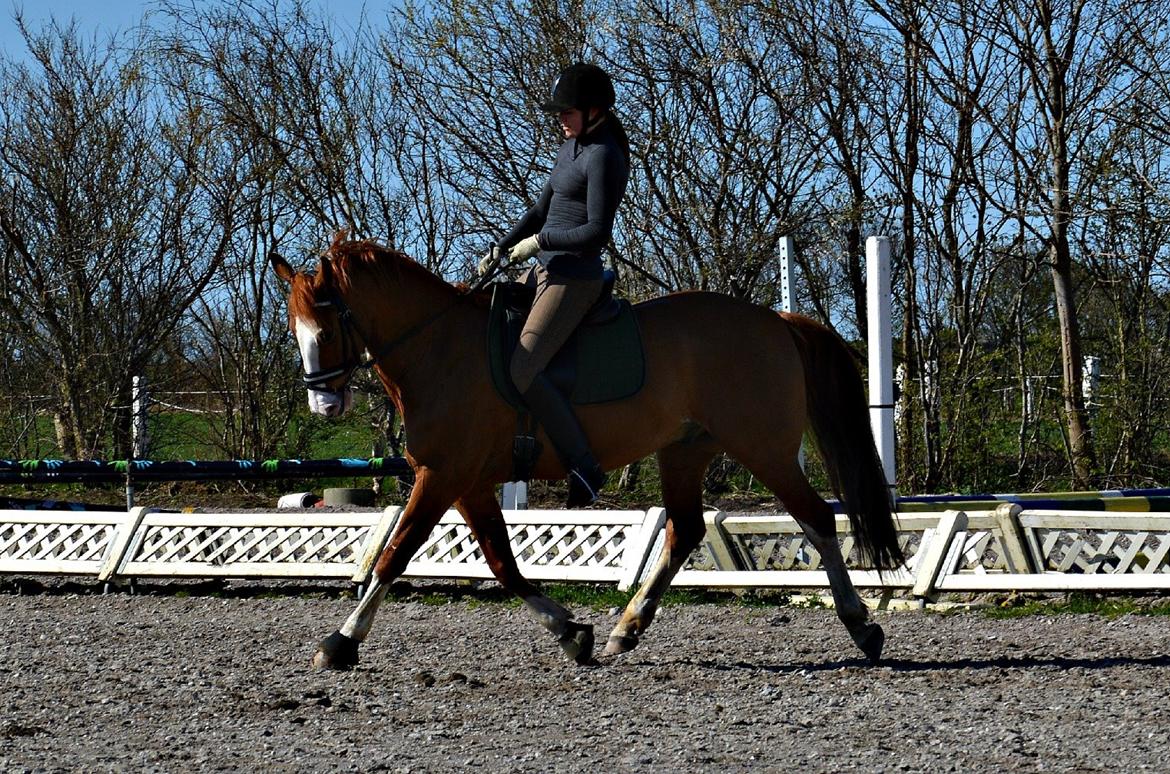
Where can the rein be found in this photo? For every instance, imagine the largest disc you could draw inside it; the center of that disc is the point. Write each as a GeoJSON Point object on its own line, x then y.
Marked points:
{"type": "Point", "coordinates": [318, 380]}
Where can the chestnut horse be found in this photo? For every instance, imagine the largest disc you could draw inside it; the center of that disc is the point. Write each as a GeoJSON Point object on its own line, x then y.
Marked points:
{"type": "Point", "coordinates": [722, 375]}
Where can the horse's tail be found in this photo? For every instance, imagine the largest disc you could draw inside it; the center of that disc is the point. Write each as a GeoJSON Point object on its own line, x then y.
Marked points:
{"type": "Point", "coordinates": [839, 416]}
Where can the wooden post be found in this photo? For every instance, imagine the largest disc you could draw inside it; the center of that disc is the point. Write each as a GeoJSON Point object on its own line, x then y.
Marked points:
{"type": "Point", "coordinates": [641, 548]}
{"type": "Point", "coordinates": [725, 554]}
{"type": "Point", "coordinates": [931, 565]}
{"type": "Point", "coordinates": [787, 302]}
{"type": "Point", "coordinates": [1011, 537]}
{"type": "Point", "coordinates": [120, 546]}
{"type": "Point", "coordinates": [375, 543]}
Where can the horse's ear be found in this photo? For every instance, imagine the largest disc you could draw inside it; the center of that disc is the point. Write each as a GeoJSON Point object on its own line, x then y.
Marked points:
{"type": "Point", "coordinates": [281, 266]}
{"type": "Point", "coordinates": [324, 276]}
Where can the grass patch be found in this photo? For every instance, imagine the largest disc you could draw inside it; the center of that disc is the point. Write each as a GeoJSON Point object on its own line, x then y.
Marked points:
{"type": "Point", "coordinates": [602, 597]}
{"type": "Point", "coordinates": [1079, 604]}
{"type": "Point", "coordinates": [594, 596]}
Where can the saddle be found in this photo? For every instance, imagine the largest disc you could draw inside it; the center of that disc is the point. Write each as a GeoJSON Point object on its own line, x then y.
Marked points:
{"type": "Point", "coordinates": [602, 361]}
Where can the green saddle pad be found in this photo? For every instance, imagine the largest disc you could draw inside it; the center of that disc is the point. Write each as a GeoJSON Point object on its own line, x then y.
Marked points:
{"type": "Point", "coordinates": [603, 362]}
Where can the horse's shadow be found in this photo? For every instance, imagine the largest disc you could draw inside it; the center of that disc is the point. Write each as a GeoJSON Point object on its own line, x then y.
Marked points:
{"type": "Point", "coordinates": [931, 665]}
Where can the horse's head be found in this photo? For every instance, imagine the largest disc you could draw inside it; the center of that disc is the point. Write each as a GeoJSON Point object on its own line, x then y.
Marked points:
{"type": "Point", "coordinates": [320, 321]}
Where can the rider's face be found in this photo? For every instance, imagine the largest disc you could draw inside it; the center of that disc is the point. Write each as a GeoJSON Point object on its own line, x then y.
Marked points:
{"type": "Point", "coordinates": [571, 122]}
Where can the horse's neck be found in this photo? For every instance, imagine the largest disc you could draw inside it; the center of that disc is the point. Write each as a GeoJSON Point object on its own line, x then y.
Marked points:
{"type": "Point", "coordinates": [390, 299]}
{"type": "Point", "coordinates": [416, 330]}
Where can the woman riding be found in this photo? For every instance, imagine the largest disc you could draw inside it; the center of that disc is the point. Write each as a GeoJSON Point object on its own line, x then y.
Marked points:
{"type": "Point", "coordinates": [566, 230]}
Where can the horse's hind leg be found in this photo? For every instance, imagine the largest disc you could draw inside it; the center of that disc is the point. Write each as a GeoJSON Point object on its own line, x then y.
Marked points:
{"type": "Point", "coordinates": [428, 501]}
{"type": "Point", "coordinates": [482, 513]}
{"type": "Point", "coordinates": [682, 466]}
{"type": "Point", "coordinates": [815, 517]}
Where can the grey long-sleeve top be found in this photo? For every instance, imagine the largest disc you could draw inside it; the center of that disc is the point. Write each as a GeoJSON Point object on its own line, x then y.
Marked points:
{"type": "Point", "coordinates": [573, 217]}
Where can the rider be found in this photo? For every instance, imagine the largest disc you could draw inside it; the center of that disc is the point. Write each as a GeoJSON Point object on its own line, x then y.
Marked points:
{"type": "Point", "coordinates": [566, 230]}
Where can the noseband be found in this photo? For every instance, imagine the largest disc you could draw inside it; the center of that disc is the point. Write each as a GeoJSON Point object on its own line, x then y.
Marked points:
{"type": "Point", "coordinates": [318, 381]}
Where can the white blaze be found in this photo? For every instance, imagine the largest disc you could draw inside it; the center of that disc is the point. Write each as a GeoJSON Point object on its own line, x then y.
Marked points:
{"type": "Point", "coordinates": [329, 404]}
{"type": "Point", "coordinates": [307, 331]}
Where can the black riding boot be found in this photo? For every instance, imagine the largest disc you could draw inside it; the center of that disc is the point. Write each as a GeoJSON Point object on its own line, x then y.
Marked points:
{"type": "Point", "coordinates": [552, 410]}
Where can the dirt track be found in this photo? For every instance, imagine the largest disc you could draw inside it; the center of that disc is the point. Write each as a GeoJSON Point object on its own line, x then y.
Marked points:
{"type": "Point", "coordinates": [173, 683]}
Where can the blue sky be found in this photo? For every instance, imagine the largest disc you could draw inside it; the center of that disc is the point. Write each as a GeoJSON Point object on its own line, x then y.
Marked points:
{"type": "Point", "coordinates": [104, 17]}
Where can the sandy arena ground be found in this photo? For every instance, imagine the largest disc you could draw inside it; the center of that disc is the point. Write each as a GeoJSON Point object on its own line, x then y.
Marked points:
{"type": "Point", "coordinates": [167, 682]}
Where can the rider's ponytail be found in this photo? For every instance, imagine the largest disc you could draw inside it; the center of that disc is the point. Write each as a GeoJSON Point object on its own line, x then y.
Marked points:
{"type": "Point", "coordinates": [619, 133]}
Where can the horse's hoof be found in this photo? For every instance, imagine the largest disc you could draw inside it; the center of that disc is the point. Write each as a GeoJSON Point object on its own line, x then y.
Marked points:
{"type": "Point", "coordinates": [871, 642]}
{"type": "Point", "coordinates": [616, 645]}
{"type": "Point", "coordinates": [336, 652]}
{"type": "Point", "coordinates": [577, 642]}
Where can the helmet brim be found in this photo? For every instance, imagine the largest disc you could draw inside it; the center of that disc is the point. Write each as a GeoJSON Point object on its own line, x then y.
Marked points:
{"type": "Point", "coordinates": [555, 107]}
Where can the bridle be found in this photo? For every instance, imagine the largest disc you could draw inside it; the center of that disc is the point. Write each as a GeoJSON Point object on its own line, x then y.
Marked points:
{"type": "Point", "coordinates": [318, 380]}
{"type": "Point", "coordinates": [354, 343]}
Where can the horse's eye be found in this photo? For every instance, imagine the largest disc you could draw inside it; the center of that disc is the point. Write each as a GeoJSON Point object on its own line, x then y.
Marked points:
{"type": "Point", "coordinates": [324, 337]}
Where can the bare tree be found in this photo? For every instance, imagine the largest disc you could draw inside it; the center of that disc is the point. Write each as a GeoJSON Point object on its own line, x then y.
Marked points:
{"type": "Point", "coordinates": [842, 69]}
{"type": "Point", "coordinates": [323, 146]}
{"type": "Point", "coordinates": [119, 212]}
{"type": "Point", "coordinates": [1124, 242]}
{"type": "Point", "coordinates": [470, 80]}
{"type": "Point", "coordinates": [723, 168]}
{"type": "Point", "coordinates": [1066, 53]}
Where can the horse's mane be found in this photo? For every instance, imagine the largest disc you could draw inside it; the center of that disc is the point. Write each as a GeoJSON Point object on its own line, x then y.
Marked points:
{"type": "Point", "coordinates": [350, 257]}
{"type": "Point", "coordinates": [481, 297]}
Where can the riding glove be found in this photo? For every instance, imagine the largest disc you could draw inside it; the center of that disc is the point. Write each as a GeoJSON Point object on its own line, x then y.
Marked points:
{"type": "Point", "coordinates": [489, 260]}
{"type": "Point", "coordinates": [524, 249]}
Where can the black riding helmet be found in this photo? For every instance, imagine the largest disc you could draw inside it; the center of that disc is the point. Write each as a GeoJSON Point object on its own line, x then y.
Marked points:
{"type": "Point", "coordinates": [581, 86]}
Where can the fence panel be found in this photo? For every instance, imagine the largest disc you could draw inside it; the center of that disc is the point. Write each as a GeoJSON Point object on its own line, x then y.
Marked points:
{"type": "Point", "coordinates": [255, 545]}
{"type": "Point", "coordinates": [60, 542]}
{"type": "Point", "coordinates": [596, 546]}
{"type": "Point", "coordinates": [1007, 549]}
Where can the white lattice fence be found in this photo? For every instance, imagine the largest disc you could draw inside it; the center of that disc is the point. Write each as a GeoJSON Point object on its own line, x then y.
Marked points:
{"type": "Point", "coordinates": [597, 546]}
{"type": "Point", "coordinates": [1042, 550]}
{"type": "Point", "coordinates": [771, 543]}
{"type": "Point", "coordinates": [772, 551]}
{"type": "Point", "coordinates": [1124, 546]}
{"type": "Point", "coordinates": [257, 545]}
{"type": "Point", "coordinates": [45, 542]}
{"type": "Point", "coordinates": [1001, 550]}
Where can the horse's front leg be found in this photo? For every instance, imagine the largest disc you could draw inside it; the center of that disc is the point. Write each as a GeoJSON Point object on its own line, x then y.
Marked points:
{"type": "Point", "coordinates": [483, 515]}
{"type": "Point", "coordinates": [428, 501]}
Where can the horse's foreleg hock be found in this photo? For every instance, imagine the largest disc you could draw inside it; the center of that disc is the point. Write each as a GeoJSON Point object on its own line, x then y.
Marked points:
{"type": "Point", "coordinates": [866, 634]}
{"type": "Point", "coordinates": [340, 649]}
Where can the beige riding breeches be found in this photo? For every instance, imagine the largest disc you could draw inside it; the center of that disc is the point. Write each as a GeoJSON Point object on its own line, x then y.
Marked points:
{"type": "Point", "coordinates": [557, 310]}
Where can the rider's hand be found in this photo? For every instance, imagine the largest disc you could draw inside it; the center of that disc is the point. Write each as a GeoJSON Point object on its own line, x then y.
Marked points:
{"type": "Point", "coordinates": [489, 260]}
{"type": "Point", "coordinates": [524, 249]}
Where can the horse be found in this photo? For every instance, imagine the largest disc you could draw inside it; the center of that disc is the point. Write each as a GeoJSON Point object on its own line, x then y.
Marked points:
{"type": "Point", "coordinates": [722, 376]}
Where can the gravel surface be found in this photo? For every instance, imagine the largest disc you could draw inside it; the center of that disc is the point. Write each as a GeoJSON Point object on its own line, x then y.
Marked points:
{"type": "Point", "coordinates": [177, 683]}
